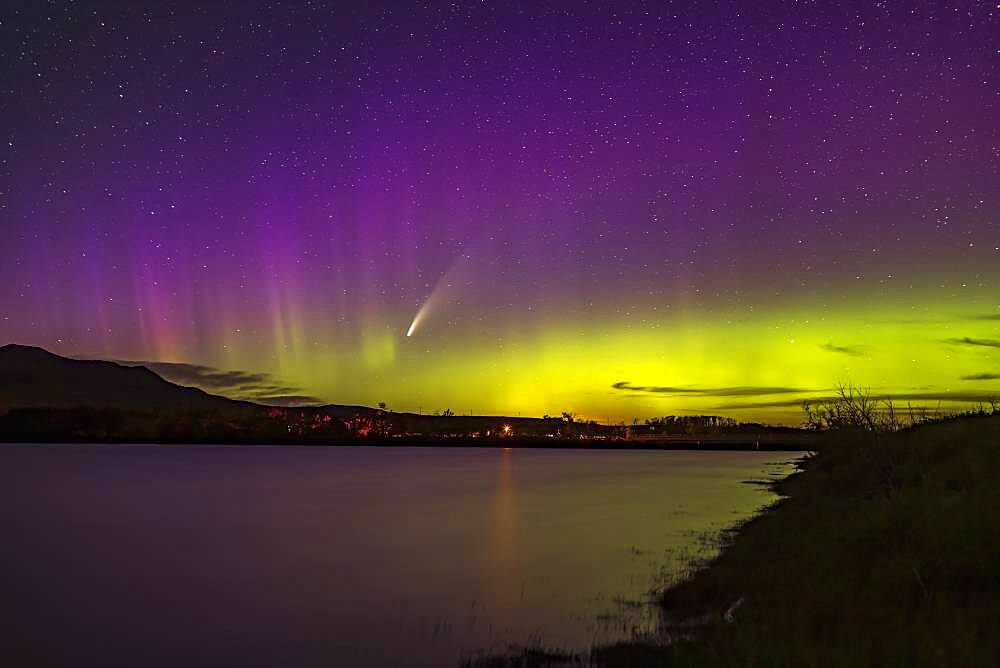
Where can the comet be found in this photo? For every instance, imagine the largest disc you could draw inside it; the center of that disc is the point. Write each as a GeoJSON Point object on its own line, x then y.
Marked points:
{"type": "Point", "coordinates": [439, 295]}
{"type": "Point", "coordinates": [416, 319]}
{"type": "Point", "coordinates": [428, 305]}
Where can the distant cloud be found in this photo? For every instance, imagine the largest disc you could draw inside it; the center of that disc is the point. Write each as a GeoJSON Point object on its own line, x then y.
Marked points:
{"type": "Point", "coordinates": [982, 376]}
{"type": "Point", "coordinates": [853, 351]}
{"type": "Point", "coordinates": [966, 397]}
{"type": "Point", "coordinates": [204, 376]}
{"type": "Point", "coordinates": [262, 388]}
{"type": "Point", "coordinates": [737, 391]}
{"type": "Point", "coordinates": [779, 403]}
{"type": "Point", "coordinates": [966, 341]}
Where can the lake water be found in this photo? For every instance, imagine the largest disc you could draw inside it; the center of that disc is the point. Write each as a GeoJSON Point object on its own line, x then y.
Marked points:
{"type": "Point", "coordinates": [267, 556]}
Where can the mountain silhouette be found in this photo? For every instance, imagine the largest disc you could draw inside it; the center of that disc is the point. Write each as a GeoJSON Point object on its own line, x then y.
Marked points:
{"type": "Point", "coordinates": [34, 377]}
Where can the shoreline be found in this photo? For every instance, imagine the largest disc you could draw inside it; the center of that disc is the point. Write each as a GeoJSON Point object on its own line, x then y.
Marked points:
{"type": "Point", "coordinates": [707, 444]}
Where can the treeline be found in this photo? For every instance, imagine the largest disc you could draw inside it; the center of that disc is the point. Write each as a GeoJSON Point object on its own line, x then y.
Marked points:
{"type": "Point", "coordinates": [279, 425]}
{"type": "Point", "coordinates": [261, 424]}
{"type": "Point", "coordinates": [681, 425]}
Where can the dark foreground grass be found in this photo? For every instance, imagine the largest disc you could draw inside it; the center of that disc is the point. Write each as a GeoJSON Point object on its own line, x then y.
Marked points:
{"type": "Point", "coordinates": [885, 552]}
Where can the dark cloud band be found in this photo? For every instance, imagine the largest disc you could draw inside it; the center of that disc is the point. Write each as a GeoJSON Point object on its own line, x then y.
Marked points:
{"type": "Point", "coordinates": [968, 341]}
{"type": "Point", "coordinates": [261, 388]}
{"type": "Point", "coordinates": [736, 391]}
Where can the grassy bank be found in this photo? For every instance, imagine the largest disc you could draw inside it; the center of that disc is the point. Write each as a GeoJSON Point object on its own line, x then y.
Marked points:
{"type": "Point", "coordinates": [886, 551]}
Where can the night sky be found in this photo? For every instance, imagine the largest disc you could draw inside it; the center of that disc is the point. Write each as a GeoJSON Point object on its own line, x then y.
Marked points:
{"type": "Point", "coordinates": [617, 209]}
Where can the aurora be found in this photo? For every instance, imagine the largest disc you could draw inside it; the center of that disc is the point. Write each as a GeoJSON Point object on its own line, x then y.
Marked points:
{"type": "Point", "coordinates": [729, 211]}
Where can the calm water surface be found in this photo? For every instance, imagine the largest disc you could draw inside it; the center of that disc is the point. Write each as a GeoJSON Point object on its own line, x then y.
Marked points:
{"type": "Point", "coordinates": [258, 556]}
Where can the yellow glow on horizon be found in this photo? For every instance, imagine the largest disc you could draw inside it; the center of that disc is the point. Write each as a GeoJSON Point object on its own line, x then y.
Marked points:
{"type": "Point", "coordinates": [748, 365]}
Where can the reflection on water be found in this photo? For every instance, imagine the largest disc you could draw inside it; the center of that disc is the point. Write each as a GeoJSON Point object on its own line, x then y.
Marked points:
{"type": "Point", "coordinates": [500, 559]}
{"type": "Point", "coordinates": [503, 518]}
{"type": "Point", "coordinates": [148, 555]}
